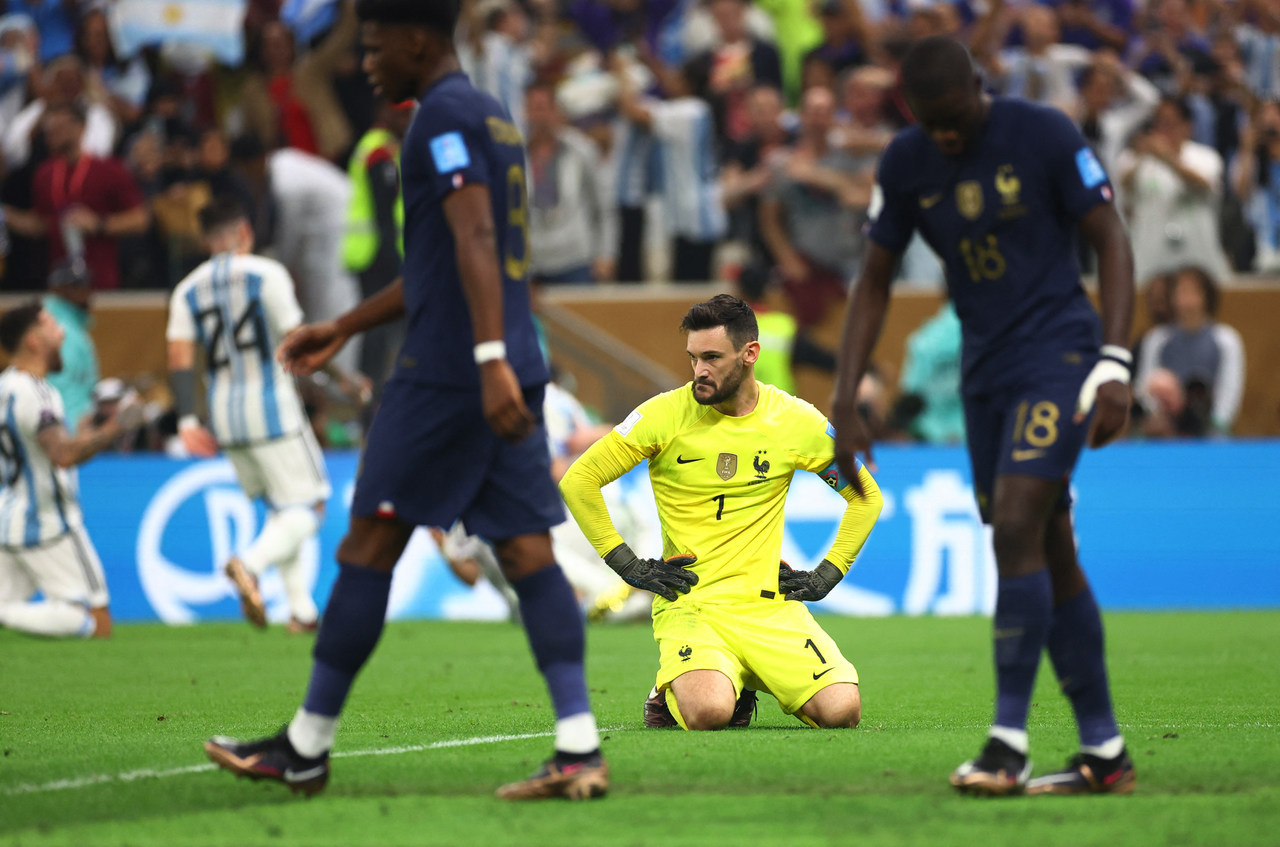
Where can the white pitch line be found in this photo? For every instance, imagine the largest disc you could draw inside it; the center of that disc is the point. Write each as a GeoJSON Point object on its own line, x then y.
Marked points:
{"type": "Point", "coordinates": [151, 773]}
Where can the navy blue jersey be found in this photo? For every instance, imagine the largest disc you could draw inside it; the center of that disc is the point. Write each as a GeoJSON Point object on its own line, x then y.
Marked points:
{"type": "Point", "coordinates": [1003, 219]}
{"type": "Point", "coordinates": [462, 136]}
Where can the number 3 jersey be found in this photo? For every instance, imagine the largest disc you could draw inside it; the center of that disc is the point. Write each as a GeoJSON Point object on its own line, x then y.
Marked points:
{"type": "Point", "coordinates": [38, 501]}
{"type": "Point", "coordinates": [237, 308]}
{"type": "Point", "coordinates": [720, 483]}
{"type": "Point", "coordinates": [1003, 219]}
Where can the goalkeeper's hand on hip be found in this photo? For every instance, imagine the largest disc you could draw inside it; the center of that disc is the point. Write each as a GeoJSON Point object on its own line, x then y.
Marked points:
{"type": "Point", "coordinates": [808, 585]}
{"type": "Point", "coordinates": [665, 577]}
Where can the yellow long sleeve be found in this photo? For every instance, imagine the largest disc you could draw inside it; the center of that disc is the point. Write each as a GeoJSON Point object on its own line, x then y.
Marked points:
{"type": "Point", "coordinates": [604, 461]}
{"type": "Point", "coordinates": [859, 517]}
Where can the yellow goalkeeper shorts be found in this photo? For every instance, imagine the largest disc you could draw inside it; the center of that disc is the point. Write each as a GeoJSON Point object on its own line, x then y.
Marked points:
{"type": "Point", "coordinates": [774, 646]}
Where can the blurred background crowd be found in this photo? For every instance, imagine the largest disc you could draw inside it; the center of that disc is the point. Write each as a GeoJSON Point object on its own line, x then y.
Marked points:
{"type": "Point", "coordinates": [677, 140]}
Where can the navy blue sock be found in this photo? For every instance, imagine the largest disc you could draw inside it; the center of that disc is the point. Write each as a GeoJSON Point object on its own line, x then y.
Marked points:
{"type": "Point", "coordinates": [1024, 608]}
{"type": "Point", "coordinates": [349, 630]}
{"type": "Point", "coordinates": [1076, 649]}
{"type": "Point", "coordinates": [553, 623]}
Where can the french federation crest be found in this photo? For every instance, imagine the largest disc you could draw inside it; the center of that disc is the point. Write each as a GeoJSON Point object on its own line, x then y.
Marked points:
{"type": "Point", "coordinates": [727, 465]}
{"type": "Point", "coordinates": [969, 198]}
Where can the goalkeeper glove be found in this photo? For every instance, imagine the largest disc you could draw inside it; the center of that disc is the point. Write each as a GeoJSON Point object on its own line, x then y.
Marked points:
{"type": "Point", "coordinates": [662, 577]}
{"type": "Point", "coordinates": [808, 585]}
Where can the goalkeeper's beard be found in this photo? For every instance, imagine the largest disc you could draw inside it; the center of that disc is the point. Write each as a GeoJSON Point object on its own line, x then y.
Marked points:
{"type": "Point", "coordinates": [727, 389]}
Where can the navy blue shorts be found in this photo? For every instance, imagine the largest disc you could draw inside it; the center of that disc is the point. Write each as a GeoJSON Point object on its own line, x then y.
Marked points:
{"type": "Point", "coordinates": [431, 458]}
{"type": "Point", "coordinates": [1026, 431]}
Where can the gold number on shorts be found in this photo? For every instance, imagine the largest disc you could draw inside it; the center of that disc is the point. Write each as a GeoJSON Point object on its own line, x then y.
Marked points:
{"type": "Point", "coordinates": [1041, 429]}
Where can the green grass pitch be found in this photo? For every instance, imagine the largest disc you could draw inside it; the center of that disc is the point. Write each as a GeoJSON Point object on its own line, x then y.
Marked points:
{"type": "Point", "coordinates": [101, 743]}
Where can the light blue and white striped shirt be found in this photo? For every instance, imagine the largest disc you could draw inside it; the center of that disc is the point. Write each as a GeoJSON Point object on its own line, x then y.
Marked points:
{"type": "Point", "coordinates": [237, 308]}
{"type": "Point", "coordinates": [38, 500]}
{"type": "Point", "coordinates": [690, 174]}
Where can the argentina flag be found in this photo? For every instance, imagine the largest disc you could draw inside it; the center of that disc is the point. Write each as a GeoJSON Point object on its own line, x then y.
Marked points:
{"type": "Point", "coordinates": [216, 25]}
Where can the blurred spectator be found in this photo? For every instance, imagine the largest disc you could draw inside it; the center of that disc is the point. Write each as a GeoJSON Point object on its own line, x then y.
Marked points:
{"type": "Point", "coordinates": [1114, 103]}
{"type": "Point", "coordinates": [746, 173]}
{"type": "Point", "coordinates": [1159, 309]}
{"type": "Point", "coordinates": [213, 167]}
{"type": "Point", "coordinates": [573, 222]}
{"type": "Point", "coordinates": [144, 259]}
{"type": "Point", "coordinates": [19, 50]}
{"type": "Point", "coordinates": [1205, 355]}
{"type": "Point", "coordinates": [700, 32]}
{"type": "Point", "coordinates": [120, 85]}
{"type": "Point", "coordinates": [811, 217]}
{"type": "Point", "coordinates": [1174, 188]}
{"type": "Point", "coordinates": [845, 37]}
{"type": "Point", "coordinates": [796, 31]}
{"type": "Point", "coordinates": [1041, 70]}
{"type": "Point", "coordinates": [289, 101]}
{"type": "Point", "coordinates": [609, 24]}
{"type": "Point", "coordinates": [1095, 24]}
{"type": "Point", "coordinates": [83, 204]}
{"type": "Point", "coordinates": [736, 65]}
{"type": "Point", "coordinates": [1172, 47]}
{"type": "Point", "coordinates": [308, 198]}
{"type": "Point", "coordinates": [685, 139]}
{"type": "Point", "coordinates": [61, 84]}
{"type": "Point", "coordinates": [1258, 37]}
{"type": "Point", "coordinates": [68, 301]}
{"type": "Point", "coordinates": [498, 54]}
{"type": "Point", "coordinates": [54, 19]}
{"type": "Point", "coordinates": [783, 345]}
{"type": "Point", "coordinates": [373, 248]}
{"type": "Point", "coordinates": [929, 406]}
{"type": "Point", "coordinates": [1163, 410]}
{"type": "Point", "coordinates": [1256, 179]}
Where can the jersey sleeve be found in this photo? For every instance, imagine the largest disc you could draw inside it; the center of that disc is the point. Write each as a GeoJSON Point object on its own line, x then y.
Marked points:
{"type": "Point", "coordinates": [1078, 178]}
{"type": "Point", "coordinates": [182, 324]}
{"type": "Point", "coordinates": [457, 155]}
{"type": "Point", "coordinates": [279, 301]}
{"type": "Point", "coordinates": [891, 212]}
{"type": "Point", "coordinates": [37, 408]}
{"type": "Point", "coordinates": [638, 437]}
{"type": "Point", "coordinates": [814, 448]}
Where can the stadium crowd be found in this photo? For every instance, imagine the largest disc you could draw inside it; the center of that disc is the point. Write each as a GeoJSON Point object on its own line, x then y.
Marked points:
{"type": "Point", "coordinates": [687, 139]}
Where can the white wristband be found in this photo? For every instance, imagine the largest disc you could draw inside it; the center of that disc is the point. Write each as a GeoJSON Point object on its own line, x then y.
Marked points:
{"type": "Point", "coordinates": [1115, 351]}
{"type": "Point", "coordinates": [188, 422]}
{"type": "Point", "coordinates": [490, 351]}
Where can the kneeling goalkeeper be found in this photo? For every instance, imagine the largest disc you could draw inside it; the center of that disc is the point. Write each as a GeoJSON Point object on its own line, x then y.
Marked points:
{"type": "Point", "coordinates": [722, 451]}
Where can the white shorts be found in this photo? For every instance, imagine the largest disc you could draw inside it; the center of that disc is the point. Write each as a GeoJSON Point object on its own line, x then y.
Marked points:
{"type": "Point", "coordinates": [288, 471]}
{"type": "Point", "coordinates": [66, 568]}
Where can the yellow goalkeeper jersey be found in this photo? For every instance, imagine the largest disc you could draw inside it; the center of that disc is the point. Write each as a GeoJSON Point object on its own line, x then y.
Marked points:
{"type": "Point", "coordinates": [720, 483]}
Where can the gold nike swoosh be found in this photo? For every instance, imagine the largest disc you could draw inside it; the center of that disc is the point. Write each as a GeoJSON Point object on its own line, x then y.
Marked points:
{"type": "Point", "coordinates": [1024, 455]}
{"type": "Point", "coordinates": [930, 201]}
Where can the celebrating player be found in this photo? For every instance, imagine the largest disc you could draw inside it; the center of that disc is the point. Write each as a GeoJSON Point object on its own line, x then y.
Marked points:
{"type": "Point", "coordinates": [459, 432]}
{"type": "Point", "coordinates": [722, 451]}
{"type": "Point", "coordinates": [43, 543]}
{"type": "Point", "coordinates": [238, 306]}
{"type": "Point", "coordinates": [999, 189]}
